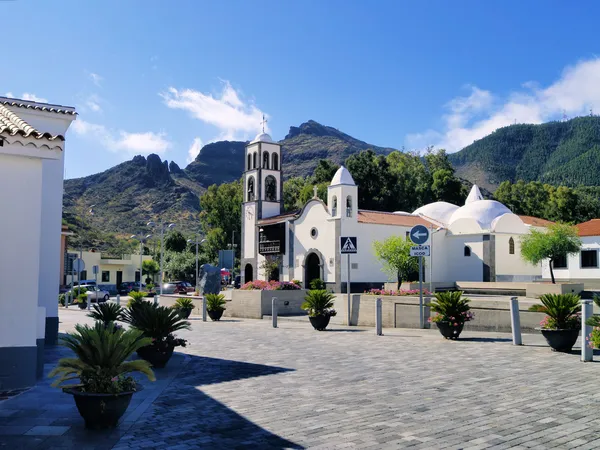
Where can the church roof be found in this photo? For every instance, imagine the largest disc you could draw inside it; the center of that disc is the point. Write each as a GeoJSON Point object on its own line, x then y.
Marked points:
{"type": "Point", "coordinates": [589, 228]}
{"type": "Point", "coordinates": [482, 211]}
{"type": "Point", "coordinates": [438, 211]}
{"type": "Point", "coordinates": [474, 195]}
{"type": "Point", "coordinates": [279, 218]}
{"type": "Point", "coordinates": [342, 176]}
{"type": "Point", "coordinates": [11, 125]}
{"type": "Point", "coordinates": [535, 221]}
{"type": "Point", "coordinates": [263, 137]}
{"type": "Point", "coordinates": [15, 102]}
{"type": "Point", "coordinates": [386, 218]}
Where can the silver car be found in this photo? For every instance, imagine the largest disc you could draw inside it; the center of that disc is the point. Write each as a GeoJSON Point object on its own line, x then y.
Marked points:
{"type": "Point", "coordinates": [96, 294]}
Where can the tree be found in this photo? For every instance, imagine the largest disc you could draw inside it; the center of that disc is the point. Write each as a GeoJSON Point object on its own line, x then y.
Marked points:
{"type": "Point", "coordinates": [291, 193]}
{"type": "Point", "coordinates": [375, 180]}
{"type": "Point", "coordinates": [394, 252]}
{"type": "Point", "coordinates": [180, 266]}
{"type": "Point", "coordinates": [175, 242]}
{"type": "Point", "coordinates": [447, 188]}
{"type": "Point", "coordinates": [325, 171]}
{"type": "Point", "coordinates": [150, 268]}
{"type": "Point", "coordinates": [559, 240]}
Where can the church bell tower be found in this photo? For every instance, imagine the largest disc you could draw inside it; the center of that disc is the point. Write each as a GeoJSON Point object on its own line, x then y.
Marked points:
{"type": "Point", "coordinates": [263, 186]}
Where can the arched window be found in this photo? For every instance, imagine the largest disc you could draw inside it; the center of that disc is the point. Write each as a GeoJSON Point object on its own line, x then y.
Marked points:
{"type": "Point", "coordinates": [334, 206]}
{"type": "Point", "coordinates": [348, 206]}
{"type": "Point", "coordinates": [511, 246]}
{"type": "Point", "coordinates": [467, 250]}
{"type": "Point", "coordinates": [275, 165]}
{"type": "Point", "coordinates": [270, 189]}
{"type": "Point", "coordinates": [251, 195]}
{"type": "Point", "coordinates": [249, 162]}
{"type": "Point", "coordinates": [254, 160]}
{"type": "Point", "coordinates": [265, 160]}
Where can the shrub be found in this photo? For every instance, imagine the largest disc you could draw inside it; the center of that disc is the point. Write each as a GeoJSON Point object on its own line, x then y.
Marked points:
{"type": "Point", "coordinates": [270, 286]}
{"type": "Point", "coordinates": [78, 290]}
{"type": "Point", "coordinates": [562, 311]}
{"type": "Point", "coordinates": [317, 284]}
{"type": "Point", "coordinates": [183, 303]}
{"type": "Point", "coordinates": [136, 297]}
{"type": "Point", "coordinates": [215, 302]}
{"type": "Point", "coordinates": [150, 286]}
{"type": "Point", "coordinates": [451, 307]}
{"type": "Point", "coordinates": [62, 299]}
{"type": "Point", "coordinates": [101, 359]}
{"type": "Point", "coordinates": [319, 302]}
{"type": "Point", "coordinates": [156, 322]}
{"type": "Point", "coordinates": [81, 301]}
{"type": "Point", "coordinates": [399, 293]}
{"type": "Point", "coordinates": [297, 283]}
{"type": "Point", "coordinates": [106, 312]}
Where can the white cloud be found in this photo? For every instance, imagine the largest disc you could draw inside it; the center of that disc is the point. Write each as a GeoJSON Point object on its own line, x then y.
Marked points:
{"type": "Point", "coordinates": [93, 103]}
{"type": "Point", "coordinates": [481, 112]}
{"type": "Point", "coordinates": [96, 79]}
{"type": "Point", "coordinates": [29, 97]}
{"type": "Point", "coordinates": [135, 143]}
{"type": "Point", "coordinates": [231, 115]}
{"type": "Point", "coordinates": [194, 150]}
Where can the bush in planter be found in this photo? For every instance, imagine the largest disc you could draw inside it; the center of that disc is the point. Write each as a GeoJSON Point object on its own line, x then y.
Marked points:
{"type": "Point", "coordinates": [452, 311]}
{"type": "Point", "coordinates": [561, 325]}
{"type": "Point", "coordinates": [100, 363]}
{"type": "Point", "coordinates": [106, 313]}
{"type": "Point", "coordinates": [215, 305]}
{"type": "Point", "coordinates": [136, 297]}
{"type": "Point", "coordinates": [62, 299]}
{"type": "Point", "coordinates": [158, 323]}
{"type": "Point", "coordinates": [184, 307]}
{"type": "Point", "coordinates": [317, 284]}
{"type": "Point", "coordinates": [319, 304]}
{"type": "Point", "coordinates": [81, 301]}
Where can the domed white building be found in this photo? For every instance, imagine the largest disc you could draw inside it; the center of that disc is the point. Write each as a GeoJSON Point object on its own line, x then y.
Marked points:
{"type": "Point", "coordinates": [478, 241]}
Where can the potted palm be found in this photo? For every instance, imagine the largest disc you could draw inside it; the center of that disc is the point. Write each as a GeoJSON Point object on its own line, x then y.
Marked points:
{"type": "Point", "coordinates": [184, 307]}
{"type": "Point", "coordinates": [562, 323]}
{"type": "Point", "coordinates": [106, 313]}
{"type": "Point", "coordinates": [105, 386]}
{"type": "Point", "coordinates": [319, 304]}
{"type": "Point", "coordinates": [215, 305]}
{"type": "Point", "coordinates": [81, 301]}
{"type": "Point", "coordinates": [452, 311]}
{"type": "Point", "coordinates": [135, 297]}
{"type": "Point", "coordinates": [157, 323]}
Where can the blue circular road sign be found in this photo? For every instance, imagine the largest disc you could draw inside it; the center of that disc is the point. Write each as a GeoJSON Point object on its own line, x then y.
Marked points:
{"type": "Point", "coordinates": [419, 234]}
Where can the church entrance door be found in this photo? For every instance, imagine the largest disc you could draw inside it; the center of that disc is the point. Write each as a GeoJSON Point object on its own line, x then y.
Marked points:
{"type": "Point", "coordinates": [312, 269]}
{"type": "Point", "coordinates": [248, 273]}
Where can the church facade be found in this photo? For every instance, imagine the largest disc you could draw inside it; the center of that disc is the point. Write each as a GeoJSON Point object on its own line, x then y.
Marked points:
{"type": "Point", "coordinates": [475, 242]}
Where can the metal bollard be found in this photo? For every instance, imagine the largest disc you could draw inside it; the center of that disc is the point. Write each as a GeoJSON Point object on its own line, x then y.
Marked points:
{"type": "Point", "coordinates": [119, 299]}
{"type": "Point", "coordinates": [89, 303]}
{"type": "Point", "coordinates": [156, 299]}
{"type": "Point", "coordinates": [67, 299]}
{"type": "Point", "coordinates": [587, 310]}
{"type": "Point", "coordinates": [515, 321]}
{"type": "Point", "coordinates": [274, 311]}
{"type": "Point", "coordinates": [204, 309]}
{"type": "Point", "coordinates": [378, 317]}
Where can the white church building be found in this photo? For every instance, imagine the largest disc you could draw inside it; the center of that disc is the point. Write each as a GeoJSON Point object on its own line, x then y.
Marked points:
{"type": "Point", "coordinates": [478, 241]}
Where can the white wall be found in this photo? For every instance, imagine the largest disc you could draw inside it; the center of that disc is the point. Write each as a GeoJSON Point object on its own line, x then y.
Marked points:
{"type": "Point", "coordinates": [129, 265]}
{"type": "Point", "coordinates": [249, 218]}
{"type": "Point", "coordinates": [574, 269]}
{"type": "Point", "coordinates": [513, 265]}
{"type": "Point", "coordinates": [458, 266]}
{"type": "Point", "coordinates": [21, 207]}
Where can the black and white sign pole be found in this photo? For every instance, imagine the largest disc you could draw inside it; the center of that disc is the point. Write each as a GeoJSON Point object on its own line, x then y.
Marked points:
{"type": "Point", "coordinates": [348, 245]}
{"type": "Point", "coordinates": [419, 235]}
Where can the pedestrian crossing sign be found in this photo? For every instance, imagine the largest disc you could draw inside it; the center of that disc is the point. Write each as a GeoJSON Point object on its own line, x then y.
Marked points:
{"type": "Point", "coordinates": [348, 244]}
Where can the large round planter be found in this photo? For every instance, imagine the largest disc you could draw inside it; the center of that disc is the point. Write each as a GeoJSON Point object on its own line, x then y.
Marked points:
{"type": "Point", "coordinates": [448, 330]}
{"type": "Point", "coordinates": [561, 340]}
{"type": "Point", "coordinates": [319, 323]}
{"type": "Point", "coordinates": [82, 305]}
{"type": "Point", "coordinates": [100, 411]}
{"type": "Point", "coordinates": [155, 356]}
{"type": "Point", "coordinates": [215, 315]}
{"type": "Point", "coordinates": [184, 313]}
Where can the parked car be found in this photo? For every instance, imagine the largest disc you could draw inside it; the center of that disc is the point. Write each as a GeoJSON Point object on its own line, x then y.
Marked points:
{"type": "Point", "coordinates": [128, 286]}
{"type": "Point", "coordinates": [237, 282]}
{"type": "Point", "coordinates": [96, 294]}
{"type": "Point", "coordinates": [85, 283]}
{"type": "Point", "coordinates": [177, 287]}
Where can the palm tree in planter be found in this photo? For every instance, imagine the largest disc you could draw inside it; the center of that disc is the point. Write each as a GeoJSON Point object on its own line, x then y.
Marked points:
{"type": "Point", "coordinates": [562, 323]}
{"type": "Point", "coordinates": [106, 313]}
{"type": "Point", "coordinates": [184, 307]}
{"type": "Point", "coordinates": [105, 387]}
{"type": "Point", "coordinates": [215, 305]}
{"type": "Point", "coordinates": [452, 311]}
{"type": "Point", "coordinates": [157, 323]}
{"type": "Point", "coordinates": [319, 304]}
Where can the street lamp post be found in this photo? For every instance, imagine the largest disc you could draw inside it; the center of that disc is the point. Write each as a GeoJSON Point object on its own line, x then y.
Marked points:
{"type": "Point", "coordinates": [197, 243]}
{"type": "Point", "coordinates": [142, 240]}
{"type": "Point", "coordinates": [162, 227]}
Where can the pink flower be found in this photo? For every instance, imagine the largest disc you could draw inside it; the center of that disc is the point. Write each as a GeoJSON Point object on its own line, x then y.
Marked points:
{"type": "Point", "coordinates": [113, 379]}
{"type": "Point", "coordinates": [455, 324]}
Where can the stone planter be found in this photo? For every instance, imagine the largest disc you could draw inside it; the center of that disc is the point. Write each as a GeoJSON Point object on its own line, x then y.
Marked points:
{"type": "Point", "coordinates": [215, 315]}
{"type": "Point", "coordinates": [155, 356]}
{"type": "Point", "coordinates": [561, 340]}
{"type": "Point", "coordinates": [184, 313]}
{"type": "Point", "coordinates": [449, 331]}
{"type": "Point", "coordinates": [101, 411]}
{"type": "Point", "coordinates": [319, 323]}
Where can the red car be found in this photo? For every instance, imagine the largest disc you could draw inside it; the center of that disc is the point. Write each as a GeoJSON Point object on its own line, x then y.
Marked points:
{"type": "Point", "coordinates": [177, 287]}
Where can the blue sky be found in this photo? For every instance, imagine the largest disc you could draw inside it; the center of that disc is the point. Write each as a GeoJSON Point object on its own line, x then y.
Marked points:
{"type": "Point", "coordinates": [166, 77]}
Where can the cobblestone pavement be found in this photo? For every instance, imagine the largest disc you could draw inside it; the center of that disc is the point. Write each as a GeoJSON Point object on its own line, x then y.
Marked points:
{"type": "Point", "coordinates": [242, 384]}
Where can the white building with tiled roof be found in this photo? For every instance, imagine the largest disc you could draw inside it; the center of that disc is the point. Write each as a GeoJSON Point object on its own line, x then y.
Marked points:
{"type": "Point", "coordinates": [478, 241]}
{"type": "Point", "coordinates": [32, 144]}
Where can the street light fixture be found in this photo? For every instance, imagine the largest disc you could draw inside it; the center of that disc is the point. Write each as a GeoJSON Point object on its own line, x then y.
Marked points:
{"type": "Point", "coordinates": [142, 240]}
{"type": "Point", "coordinates": [162, 227]}
{"type": "Point", "coordinates": [190, 241]}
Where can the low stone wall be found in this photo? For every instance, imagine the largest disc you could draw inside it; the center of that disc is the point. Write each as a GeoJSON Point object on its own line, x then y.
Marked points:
{"type": "Point", "coordinates": [415, 285]}
{"type": "Point", "coordinates": [170, 299]}
{"type": "Point", "coordinates": [535, 290]}
{"type": "Point", "coordinates": [255, 304]}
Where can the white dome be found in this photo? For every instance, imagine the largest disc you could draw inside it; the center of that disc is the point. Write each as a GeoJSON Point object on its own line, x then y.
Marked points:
{"type": "Point", "coordinates": [342, 176]}
{"type": "Point", "coordinates": [474, 195]}
{"type": "Point", "coordinates": [484, 212]}
{"type": "Point", "coordinates": [263, 137]}
{"type": "Point", "coordinates": [438, 211]}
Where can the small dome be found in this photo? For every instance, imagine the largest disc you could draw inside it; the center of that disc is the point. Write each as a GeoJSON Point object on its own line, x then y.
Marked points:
{"type": "Point", "coordinates": [484, 212]}
{"type": "Point", "coordinates": [342, 176]}
{"type": "Point", "coordinates": [438, 211]}
{"type": "Point", "coordinates": [263, 137]}
{"type": "Point", "coordinates": [474, 195]}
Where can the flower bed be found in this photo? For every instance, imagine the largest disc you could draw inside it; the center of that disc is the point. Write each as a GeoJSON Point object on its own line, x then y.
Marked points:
{"type": "Point", "coordinates": [400, 293]}
{"type": "Point", "coordinates": [261, 285]}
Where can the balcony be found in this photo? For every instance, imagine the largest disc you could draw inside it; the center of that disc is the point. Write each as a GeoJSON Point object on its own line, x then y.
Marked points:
{"type": "Point", "coordinates": [269, 247]}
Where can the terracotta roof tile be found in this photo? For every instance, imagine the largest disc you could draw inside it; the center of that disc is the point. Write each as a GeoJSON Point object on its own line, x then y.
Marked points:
{"type": "Point", "coordinates": [386, 218]}
{"type": "Point", "coordinates": [11, 125]}
{"type": "Point", "coordinates": [535, 221]}
{"type": "Point", "coordinates": [589, 228]}
{"type": "Point", "coordinates": [37, 106]}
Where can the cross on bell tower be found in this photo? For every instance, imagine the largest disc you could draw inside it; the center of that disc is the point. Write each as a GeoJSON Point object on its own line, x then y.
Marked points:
{"type": "Point", "coordinates": [264, 121]}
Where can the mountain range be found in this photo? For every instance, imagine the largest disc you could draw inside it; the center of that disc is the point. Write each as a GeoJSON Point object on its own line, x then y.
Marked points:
{"type": "Point", "coordinates": [127, 196]}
